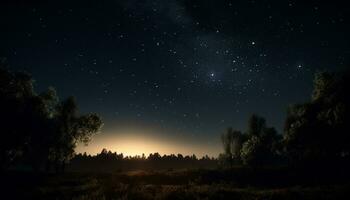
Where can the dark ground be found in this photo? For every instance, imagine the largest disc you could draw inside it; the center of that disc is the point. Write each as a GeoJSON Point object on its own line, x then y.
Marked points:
{"type": "Point", "coordinates": [238, 183]}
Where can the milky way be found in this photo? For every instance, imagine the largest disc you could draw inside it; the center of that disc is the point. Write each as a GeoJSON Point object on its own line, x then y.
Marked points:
{"type": "Point", "coordinates": [190, 68]}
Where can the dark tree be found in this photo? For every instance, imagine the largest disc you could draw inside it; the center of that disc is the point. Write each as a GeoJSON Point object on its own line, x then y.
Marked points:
{"type": "Point", "coordinates": [317, 131]}
{"type": "Point", "coordinates": [232, 142]}
{"type": "Point", "coordinates": [16, 104]}
{"type": "Point", "coordinates": [259, 146]}
{"type": "Point", "coordinates": [70, 129]}
{"type": "Point", "coordinates": [256, 125]}
{"type": "Point", "coordinates": [37, 128]}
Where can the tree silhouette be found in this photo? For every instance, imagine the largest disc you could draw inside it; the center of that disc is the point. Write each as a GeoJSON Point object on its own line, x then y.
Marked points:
{"type": "Point", "coordinates": [111, 161]}
{"type": "Point", "coordinates": [316, 131]}
{"type": "Point", "coordinates": [70, 129]}
{"type": "Point", "coordinates": [38, 128]}
{"type": "Point", "coordinates": [16, 103]}
{"type": "Point", "coordinates": [232, 142]}
{"type": "Point", "coordinates": [259, 146]}
{"type": "Point", "coordinates": [256, 125]}
{"type": "Point", "coordinates": [252, 151]}
{"type": "Point", "coordinates": [262, 144]}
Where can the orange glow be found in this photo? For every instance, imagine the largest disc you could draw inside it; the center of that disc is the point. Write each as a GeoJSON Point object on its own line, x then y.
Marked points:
{"type": "Point", "coordinates": [134, 142]}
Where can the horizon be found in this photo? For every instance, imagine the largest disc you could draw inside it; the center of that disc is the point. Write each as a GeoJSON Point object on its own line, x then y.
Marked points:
{"type": "Point", "coordinates": [134, 142]}
{"type": "Point", "coordinates": [175, 99]}
{"type": "Point", "coordinates": [175, 73]}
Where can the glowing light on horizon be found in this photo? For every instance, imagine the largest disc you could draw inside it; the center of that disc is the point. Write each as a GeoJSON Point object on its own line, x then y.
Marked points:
{"type": "Point", "coordinates": [132, 143]}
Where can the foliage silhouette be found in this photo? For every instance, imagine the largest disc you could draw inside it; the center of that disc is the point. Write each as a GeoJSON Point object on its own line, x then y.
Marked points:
{"type": "Point", "coordinates": [38, 129]}
{"type": "Point", "coordinates": [112, 161]}
{"type": "Point", "coordinates": [258, 146]}
{"type": "Point", "coordinates": [232, 142]}
{"type": "Point", "coordinates": [317, 131]}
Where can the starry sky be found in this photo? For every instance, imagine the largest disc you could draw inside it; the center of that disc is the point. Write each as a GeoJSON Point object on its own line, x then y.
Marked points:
{"type": "Point", "coordinates": [171, 76]}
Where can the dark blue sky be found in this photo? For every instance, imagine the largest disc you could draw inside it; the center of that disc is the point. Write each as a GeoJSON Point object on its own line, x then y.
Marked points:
{"type": "Point", "coordinates": [186, 68]}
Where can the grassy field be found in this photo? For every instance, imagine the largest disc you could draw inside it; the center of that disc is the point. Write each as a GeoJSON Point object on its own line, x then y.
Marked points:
{"type": "Point", "coordinates": [180, 184]}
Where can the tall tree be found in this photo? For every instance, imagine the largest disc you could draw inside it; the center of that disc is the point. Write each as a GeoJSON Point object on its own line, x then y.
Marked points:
{"type": "Point", "coordinates": [16, 101]}
{"type": "Point", "coordinates": [261, 146]}
{"type": "Point", "coordinates": [37, 127]}
{"type": "Point", "coordinates": [256, 125]}
{"type": "Point", "coordinates": [232, 141]}
{"type": "Point", "coordinates": [316, 131]}
{"type": "Point", "coordinates": [70, 129]}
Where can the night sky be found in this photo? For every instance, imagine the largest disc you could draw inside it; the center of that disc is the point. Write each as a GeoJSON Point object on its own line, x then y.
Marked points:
{"type": "Point", "coordinates": [171, 76]}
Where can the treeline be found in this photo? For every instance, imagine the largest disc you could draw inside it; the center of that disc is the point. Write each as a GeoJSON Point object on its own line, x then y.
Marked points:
{"type": "Point", "coordinates": [112, 161]}
{"type": "Point", "coordinates": [316, 133]}
{"type": "Point", "coordinates": [41, 131]}
{"type": "Point", "coordinates": [37, 129]}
